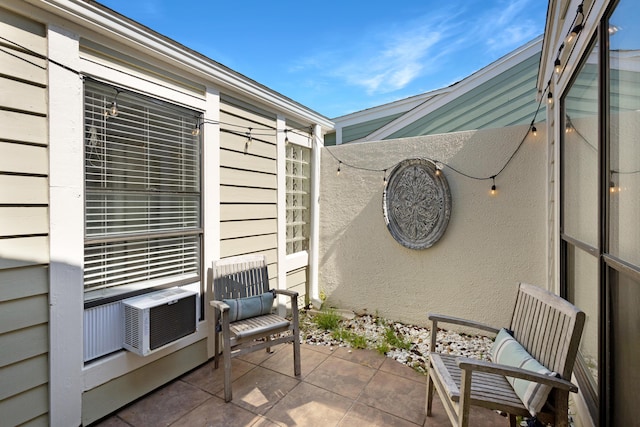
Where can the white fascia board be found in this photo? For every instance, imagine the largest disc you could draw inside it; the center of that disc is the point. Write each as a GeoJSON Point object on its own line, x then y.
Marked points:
{"type": "Point", "coordinates": [460, 88]}
{"type": "Point", "coordinates": [101, 20]}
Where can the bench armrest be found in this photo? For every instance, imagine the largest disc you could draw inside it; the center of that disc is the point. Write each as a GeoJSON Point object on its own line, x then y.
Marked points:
{"type": "Point", "coordinates": [463, 322]}
{"type": "Point", "coordinates": [292, 294]}
{"type": "Point", "coordinates": [435, 318]}
{"type": "Point", "coordinates": [510, 371]}
{"type": "Point", "coordinates": [219, 305]}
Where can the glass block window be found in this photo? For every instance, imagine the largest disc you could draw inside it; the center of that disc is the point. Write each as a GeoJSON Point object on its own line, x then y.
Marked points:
{"type": "Point", "coordinates": [298, 170]}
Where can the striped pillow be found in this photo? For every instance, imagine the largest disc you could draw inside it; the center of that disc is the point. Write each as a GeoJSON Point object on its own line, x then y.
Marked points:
{"type": "Point", "coordinates": [244, 308]}
{"type": "Point", "coordinates": [507, 351]}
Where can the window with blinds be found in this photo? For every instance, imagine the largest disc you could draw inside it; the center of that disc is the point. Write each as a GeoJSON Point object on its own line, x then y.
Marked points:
{"type": "Point", "coordinates": [142, 193]}
{"type": "Point", "coordinates": [298, 171]}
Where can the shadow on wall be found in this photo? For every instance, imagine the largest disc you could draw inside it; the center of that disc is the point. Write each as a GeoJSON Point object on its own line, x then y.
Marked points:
{"type": "Point", "coordinates": [490, 244]}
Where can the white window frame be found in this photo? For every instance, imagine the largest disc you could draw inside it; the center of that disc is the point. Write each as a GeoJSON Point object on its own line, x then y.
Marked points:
{"type": "Point", "coordinates": [138, 196]}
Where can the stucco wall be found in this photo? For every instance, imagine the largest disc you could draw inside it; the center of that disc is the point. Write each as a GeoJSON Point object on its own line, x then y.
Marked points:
{"type": "Point", "coordinates": [491, 243]}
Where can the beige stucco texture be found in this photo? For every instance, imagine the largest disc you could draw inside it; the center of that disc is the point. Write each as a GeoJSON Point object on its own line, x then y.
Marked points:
{"type": "Point", "coordinates": [491, 242]}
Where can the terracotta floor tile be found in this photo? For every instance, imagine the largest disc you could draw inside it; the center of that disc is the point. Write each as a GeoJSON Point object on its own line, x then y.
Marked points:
{"type": "Point", "coordinates": [479, 417]}
{"type": "Point", "coordinates": [164, 406]}
{"type": "Point", "coordinates": [337, 388]}
{"type": "Point", "coordinates": [260, 389]}
{"type": "Point", "coordinates": [309, 406]}
{"type": "Point", "coordinates": [283, 361]}
{"type": "Point", "coordinates": [319, 348]}
{"type": "Point", "coordinates": [370, 358]}
{"type": "Point", "coordinates": [341, 376]}
{"type": "Point", "coordinates": [259, 356]}
{"type": "Point", "coordinates": [215, 412]}
{"type": "Point", "coordinates": [212, 380]}
{"type": "Point", "coordinates": [361, 415]}
{"type": "Point", "coordinates": [396, 395]}
{"type": "Point", "coordinates": [393, 367]}
{"type": "Point", "coordinates": [112, 421]}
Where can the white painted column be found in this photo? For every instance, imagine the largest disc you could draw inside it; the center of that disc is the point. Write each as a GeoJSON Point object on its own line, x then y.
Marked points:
{"type": "Point", "coordinates": [314, 238]}
{"type": "Point", "coordinates": [282, 210]}
{"type": "Point", "coordinates": [66, 240]}
{"type": "Point", "coordinates": [211, 199]}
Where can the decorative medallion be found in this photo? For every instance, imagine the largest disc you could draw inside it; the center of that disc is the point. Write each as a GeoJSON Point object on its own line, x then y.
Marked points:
{"type": "Point", "coordinates": [416, 203]}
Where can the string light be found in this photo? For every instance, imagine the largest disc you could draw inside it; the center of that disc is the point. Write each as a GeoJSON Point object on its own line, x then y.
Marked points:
{"type": "Point", "coordinates": [557, 66]}
{"type": "Point", "coordinates": [113, 110]}
{"type": "Point", "coordinates": [574, 33]}
{"type": "Point", "coordinates": [578, 27]}
{"type": "Point", "coordinates": [571, 36]}
{"type": "Point", "coordinates": [286, 137]}
{"type": "Point", "coordinates": [384, 181]}
{"type": "Point", "coordinates": [493, 186]}
{"type": "Point", "coordinates": [249, 140]}
{"type": "Point", "coordinates": [438, 168]}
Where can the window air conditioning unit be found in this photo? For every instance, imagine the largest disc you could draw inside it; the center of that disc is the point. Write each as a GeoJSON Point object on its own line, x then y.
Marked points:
{"type": "Point", "coordinates": [156, 319]}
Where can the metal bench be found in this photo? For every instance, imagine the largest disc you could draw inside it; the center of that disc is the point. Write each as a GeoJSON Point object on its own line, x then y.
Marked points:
{"type": "Point", "coordinates": [547, 326]}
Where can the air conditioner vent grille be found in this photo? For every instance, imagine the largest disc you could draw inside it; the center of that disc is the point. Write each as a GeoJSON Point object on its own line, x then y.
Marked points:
{"type": "Point", "coordinates": [171, 321]}
{"type": "Point", "coordinates": [154, 320]}
{"type": "Point", "coordinates": [132, 326]}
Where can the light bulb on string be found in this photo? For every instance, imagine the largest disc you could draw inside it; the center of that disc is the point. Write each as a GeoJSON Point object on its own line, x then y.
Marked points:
{"type": "Point", "coordinates": [438, 168]}
{"type": "Point", "coordinates": [578, 27]}
{"type": "Point", "coordinates": [338, 171]}
{"type": "Point", "coordinates": [196, 130]}
{"type": "Point", "coordinates": [384, 181]}
{"type": "Point", "coordinates": [286, 137]}
{"type": "Point", "coordinates": [113, 110]}
{"type": "Point", "coordinates": [493, 186]}
{"type": "Point", "coordinates": [557, 66]}
{"type": "Point", "coordinates": [550, 98]}
{"type": "Point", "coordinates": [534, 131]}
{"type": "Point", "coordinates": [574, 33]}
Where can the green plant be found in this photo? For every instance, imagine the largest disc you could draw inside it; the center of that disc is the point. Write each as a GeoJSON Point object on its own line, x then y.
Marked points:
{"type": "Point", "coordinates": [327, 319]}
{"type": "Point", "coordinates": [394, 340]}
{"type": "Point", "coordinates": [382, 347]}
{"type": "Point", "coordinates": [354, 340]}
{"type": "Point", "coordinates": [357, 341]}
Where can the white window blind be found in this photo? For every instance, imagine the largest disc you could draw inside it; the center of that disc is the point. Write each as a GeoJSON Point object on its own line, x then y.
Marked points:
{"type": "Point", "coordinates": [142, 193]}
{"type": "Point", "coordinates": [298, 171]}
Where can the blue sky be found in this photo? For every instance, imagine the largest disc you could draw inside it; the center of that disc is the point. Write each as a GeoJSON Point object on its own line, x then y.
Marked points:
{"type": "Point", "coordinates": [337, 57]}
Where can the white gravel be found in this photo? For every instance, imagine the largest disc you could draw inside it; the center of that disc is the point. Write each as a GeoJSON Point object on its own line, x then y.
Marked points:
{"type": "Point", "coordinates": [373, 328]}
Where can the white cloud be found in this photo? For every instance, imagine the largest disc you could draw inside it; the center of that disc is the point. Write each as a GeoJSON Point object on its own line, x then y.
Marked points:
{"type": "Point", "coordinates": [385, 60]}
{"type": "Point", "coordinates": [508, 25]}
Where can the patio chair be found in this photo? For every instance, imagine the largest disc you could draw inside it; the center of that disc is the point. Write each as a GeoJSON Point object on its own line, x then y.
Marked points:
{"type": "Point", "coordinates": [242, 313]}
{"type": "Point", "coordinates": [531, 364]}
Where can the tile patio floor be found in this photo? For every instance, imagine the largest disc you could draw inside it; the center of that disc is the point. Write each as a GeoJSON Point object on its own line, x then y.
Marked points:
{"type": "Point", "coordinates": [336, 388]}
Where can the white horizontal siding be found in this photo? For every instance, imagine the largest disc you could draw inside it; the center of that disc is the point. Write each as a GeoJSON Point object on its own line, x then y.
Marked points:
{"type": "Point", "coordinates": [24, 223]}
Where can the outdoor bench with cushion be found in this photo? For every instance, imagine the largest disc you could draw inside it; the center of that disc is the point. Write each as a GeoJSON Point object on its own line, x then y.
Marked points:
{"type": "Point", "coordinates": [242, 319]}
{"type": "Point", "coordinates": [531, 363]}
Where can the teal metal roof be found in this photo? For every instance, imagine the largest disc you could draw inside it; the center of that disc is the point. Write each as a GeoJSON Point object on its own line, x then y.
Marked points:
{"type": "Point", "coordinates": [505, 100]}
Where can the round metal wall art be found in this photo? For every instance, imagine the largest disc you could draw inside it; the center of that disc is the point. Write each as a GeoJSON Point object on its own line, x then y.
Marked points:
{"type": "Point", "coordinates": [416, 203]}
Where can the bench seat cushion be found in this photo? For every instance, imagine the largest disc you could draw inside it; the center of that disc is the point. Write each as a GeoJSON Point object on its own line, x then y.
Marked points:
{"type": "Point", "coordinates": [507, 351]}
{"type": "Point", "coordinates": [245, 308]}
